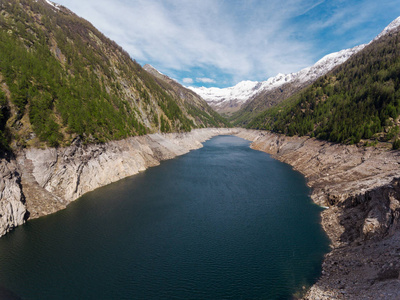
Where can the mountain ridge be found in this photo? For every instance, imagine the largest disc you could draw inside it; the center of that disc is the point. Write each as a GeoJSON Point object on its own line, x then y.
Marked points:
{"type": "Point", "coordinates": [357, 102]}
{"type": "Point", "coordinates": [62, 79]}
{"type": "Point", "coordinates": [243, 92]}
{"type": "Point", "coordinates": [246, 97]}
{"type": "Point", "coordinates": [188, 97]}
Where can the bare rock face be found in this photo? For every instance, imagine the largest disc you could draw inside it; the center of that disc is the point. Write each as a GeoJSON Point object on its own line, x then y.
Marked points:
{"type": "Point", "coordinates": [49, 179]}
{"type": "Point", "coordinates": [12, 208]}
{"type": "Point", "coordinates": [360, 187]}
{"type": "Point", "coordinates": [39, 182]}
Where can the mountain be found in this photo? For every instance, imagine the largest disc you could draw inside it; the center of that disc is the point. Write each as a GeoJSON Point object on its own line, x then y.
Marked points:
{"type": "Point", "coordinates": [228, 100]}
{"type": "Point", "coordinates": [358, 100]}
{"type": "Point", "coordinates": [61, 80]}
{"type": "Point", "coordinates": [196, 105]}
{"type": "Point", "coordinates": [253, 96]}
{"type": "Point", "coordinates": [284, 86]}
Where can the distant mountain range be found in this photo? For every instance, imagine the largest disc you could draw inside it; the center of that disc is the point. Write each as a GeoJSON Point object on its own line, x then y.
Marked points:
{"type": "Point", "coordinates": [287, 85]}
{"type": "Point", "coordinates": [231, 99]}
{"type": "Point", "coordinates": [244, 100]}
{"type": "Point", "coordinates": [357, 101]}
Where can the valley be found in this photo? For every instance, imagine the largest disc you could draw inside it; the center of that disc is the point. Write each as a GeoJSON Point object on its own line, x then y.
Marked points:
{"type": "Point", "coordinates": [78, 113]}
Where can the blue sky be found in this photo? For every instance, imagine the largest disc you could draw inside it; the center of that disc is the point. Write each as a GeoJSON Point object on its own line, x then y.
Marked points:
{"type": "Point", "coordinates": [222, 42]}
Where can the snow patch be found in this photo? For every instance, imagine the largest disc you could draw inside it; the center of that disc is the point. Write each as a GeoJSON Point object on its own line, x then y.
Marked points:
{"type": "Point", "coordinates": [245, 90]}
{"type": "Point", "coordinates": [56, 6]}
{"type": "Point", "coordinates": [393, 25]}
{"type": "Point", "coordinates": [240, 92]}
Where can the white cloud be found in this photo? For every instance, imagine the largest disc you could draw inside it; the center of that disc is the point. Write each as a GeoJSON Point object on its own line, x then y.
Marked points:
{"type": "Point", "coordinates": [250, 39]}
{"type": "Point", "coordinates": [240, 38]}
{"type": "Point", "coordinates": [187, 80]}
{"type": "Point", "coordinates": [205, 80]}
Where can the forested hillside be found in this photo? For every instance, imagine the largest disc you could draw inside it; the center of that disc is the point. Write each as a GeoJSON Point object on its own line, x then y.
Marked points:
{"type": "Point", "coordinates": [358, 100]}
{"type": "Point", "coordinates": [195, 105]}
{"type": "Point", "coordinates": [61, 79]}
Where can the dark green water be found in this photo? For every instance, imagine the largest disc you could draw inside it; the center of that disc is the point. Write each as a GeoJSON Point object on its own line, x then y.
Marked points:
{"type": "Point", "coordinates": [222, 222]}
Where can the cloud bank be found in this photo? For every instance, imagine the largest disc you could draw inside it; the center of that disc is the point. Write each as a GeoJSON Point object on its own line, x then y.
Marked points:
{"type": "Point", "coordinates": [228, 41]}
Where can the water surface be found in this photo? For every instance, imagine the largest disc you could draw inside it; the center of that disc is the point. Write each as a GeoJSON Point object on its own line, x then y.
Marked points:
{"type": "Point", "coordinates": [221, 222]}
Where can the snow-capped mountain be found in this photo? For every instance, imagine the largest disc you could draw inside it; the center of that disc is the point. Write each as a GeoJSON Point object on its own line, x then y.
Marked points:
{"type": "Point", "coordinates": [392, 26]}
{"type": "Point", "coordinates": [228, 100]}
{"type": "Point", "coordinates": [241, 92]}
{"type": "Point", "coordinates": [231, 99]}
{"type": "Point", "coordinates": [187, 98]}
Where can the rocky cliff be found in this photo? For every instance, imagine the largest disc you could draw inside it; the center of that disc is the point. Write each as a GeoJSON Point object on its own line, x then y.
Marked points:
{"type": "Point", "coordinates": [12, 208]}
{"type": "Point", "coordinates": [38, 182]}
{"type": "Point", "coordinates": [360, 187]}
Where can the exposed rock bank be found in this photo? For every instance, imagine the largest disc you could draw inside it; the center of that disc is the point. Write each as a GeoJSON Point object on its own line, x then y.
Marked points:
{"type": "Point", "coordinates": [38, 182]}
{"type": "Point", "coordinates": [12, 208]}
{"type": "Point", "coordinates": [361, 188]}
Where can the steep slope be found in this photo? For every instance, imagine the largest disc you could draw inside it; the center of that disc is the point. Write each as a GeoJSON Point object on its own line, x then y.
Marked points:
{"type": "Point", "coordinates": [284, 86]}
{"type": "Point", "coordinates": [61, 79]}
{"type": "Point", "coordinates": [192, 102]}
{"type": "Point", "coordinates": [360, 188]}
{"type": "Point", "coordinates": [358, 100]}
{"type": "Point", "coordinates": [247, 98]}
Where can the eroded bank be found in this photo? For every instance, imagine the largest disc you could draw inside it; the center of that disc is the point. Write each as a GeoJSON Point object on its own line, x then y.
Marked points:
{"type": "Point", "coordinates": [38, 182]}
{"type": "Point", "coordinates": [361, 189]}
{"type": "Point", "coordinates": [359, 186]}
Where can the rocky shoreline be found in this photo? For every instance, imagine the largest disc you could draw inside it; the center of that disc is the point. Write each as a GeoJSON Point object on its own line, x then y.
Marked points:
{"type": "Point", "coordinates": [38, 182]}
{"type": "Point", "coordinates": [359, 186]}
{"type": "Point", "coordinates": [361, 189]}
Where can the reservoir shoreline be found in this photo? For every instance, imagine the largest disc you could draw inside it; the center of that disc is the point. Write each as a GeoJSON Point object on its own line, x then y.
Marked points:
{"type": "Point", "coordinates": [360, 186]}
{"type": "Point", "coordinates": [38, 182]}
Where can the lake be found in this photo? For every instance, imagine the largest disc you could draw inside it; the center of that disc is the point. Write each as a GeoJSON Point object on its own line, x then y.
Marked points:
{"type": "Point", "coordinates": [221, 222]}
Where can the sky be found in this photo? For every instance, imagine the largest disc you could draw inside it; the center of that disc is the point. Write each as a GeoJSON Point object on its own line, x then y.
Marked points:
{"type": "Point", "coordinates": [218, 43]}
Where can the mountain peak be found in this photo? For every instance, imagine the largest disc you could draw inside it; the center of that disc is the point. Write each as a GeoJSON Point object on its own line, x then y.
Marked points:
{"type": "Point", "coordinates": [150, 68]}
{"type": "Point", "coordinates": [153, 71]}
{"type": "Point", "coordinates": [395, 24]}
{"type": "Point", "coordinates": [231, 99]}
